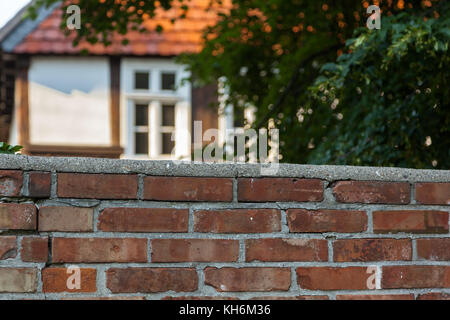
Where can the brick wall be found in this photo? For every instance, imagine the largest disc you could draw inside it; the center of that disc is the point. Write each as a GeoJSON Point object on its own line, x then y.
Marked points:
{"type": "Point", "coordinates": [157, 230]}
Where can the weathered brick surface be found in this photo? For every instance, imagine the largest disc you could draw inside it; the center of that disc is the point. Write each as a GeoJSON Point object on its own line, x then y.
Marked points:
{"type": "Point", "coordinates": [144, 220]}
{"type": "Point", "coordinates": [194, 250]}
{"type": "Point", "coordinates": [194, 298]}
{"type": "Point", "coordinates": [314, 221]}
{"type": "Point", "coordinates": [90, 250]}
{"type": "Point", "coordinates": [437, 249]}
{"type": "Point", "coordinates": [97, 186]}
{"type": "Point", "coordinates": [188, 189]}
{"type": "Point", "coordinates": [238, 221]}
{"type": "Point", "coordinates": [372, 192]}
{"type": "Point", "coordinates": [375, 297]}
{"type": "Point", "coordinates": [330, 278]}
{"type": "Point", "coordinates": [39, 185]}
{"type": "Point", "coordinates": [63, 280]}
{"type": "Point", "coordinates": [412, 221]}
{"type": "Point", "coordinates": [34, 249]}
{"type": "Point", "coordinates": [404, 277]}
{"type": "Point", "coordinates": [17, 216]}
{"type": "Point", "coordinates": [8, 247]}
{"type": "Point", "coordinates": [18, 280]}
{"type": "Point", "coordinates": [286, 250]}
{"type": "Point", "coordinates": [315, 297]}
{"type": "Point", "coordinates": [113, 298]}
{"type": "Point", "coordinates": [372, 250]}
{"type": "Point", "coordinates": [433, 193]}
{"type": "Point", "coordinates": [248, 279]}
{"type": "Point", "coordinates": [279, 189]}
{"type": "Point", "coordinates": [66, 219]}
{"type": "Point", "coordinates": [149, 280]}
{"type": "Point", "coordinates": [434, 296]}
{"type": "Point", "coordinates": [10, 183]}
{"type": "Point", "coordinates": [151, 230]}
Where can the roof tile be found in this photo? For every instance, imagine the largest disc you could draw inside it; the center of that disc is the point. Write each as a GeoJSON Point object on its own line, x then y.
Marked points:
{"type": "Point", "coordinates": [185, 35]}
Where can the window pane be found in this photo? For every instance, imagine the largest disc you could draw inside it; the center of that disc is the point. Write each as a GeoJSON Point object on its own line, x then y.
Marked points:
{"type": "Point", "coordinates": [167, 143]}
{"type": "Point", "coordinates": [168, 81]}
{"type": "Point", "coordinates": [168, 115]}
{"type": "Point", "coordinates": [141, 80]}
{"type": "Point", "coordinates": [141, 115]}
{"type": "Point", "coordinates": [141, 143]}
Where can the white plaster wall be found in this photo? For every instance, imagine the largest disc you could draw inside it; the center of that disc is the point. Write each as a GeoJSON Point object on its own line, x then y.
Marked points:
{"type": "Point", "coordinates": [69, 101]}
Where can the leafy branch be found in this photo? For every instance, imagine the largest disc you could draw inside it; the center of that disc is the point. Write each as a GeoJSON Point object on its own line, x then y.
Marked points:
{"type": "Point", "coordinates": [9, 149]}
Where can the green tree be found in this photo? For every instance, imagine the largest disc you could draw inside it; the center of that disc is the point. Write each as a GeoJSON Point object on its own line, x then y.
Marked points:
{"type": "Point", "coordinates": [386, 102]}
{"type": "Point", "coordinates": [275, 54]}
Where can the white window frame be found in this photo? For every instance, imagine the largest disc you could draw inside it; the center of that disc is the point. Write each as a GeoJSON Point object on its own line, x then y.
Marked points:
{"type": "Point", "coordinates": [155, 97]}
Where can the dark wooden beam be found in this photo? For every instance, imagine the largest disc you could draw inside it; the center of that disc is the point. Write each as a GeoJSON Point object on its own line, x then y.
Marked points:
{"type": "Point", "coordinates": [205, 108]}
{"type": "Point", "coordinates": [114, 68]}
{"type": "Point", "coordinates": [22, 103]}
{"type": "Point", "coordinates": [74, 151]}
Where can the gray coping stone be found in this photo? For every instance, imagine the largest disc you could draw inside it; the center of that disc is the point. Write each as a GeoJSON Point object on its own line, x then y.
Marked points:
{"type": "Point", "coordinates": [170, 168]}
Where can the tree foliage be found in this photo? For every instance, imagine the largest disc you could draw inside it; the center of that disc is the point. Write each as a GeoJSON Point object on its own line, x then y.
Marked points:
{"type": "Point", "coordinates": [387, 101]}
{"type": "Point", "coordinates": [280, 57]}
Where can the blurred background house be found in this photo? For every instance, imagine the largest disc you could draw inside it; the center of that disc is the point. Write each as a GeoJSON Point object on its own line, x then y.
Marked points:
{"type": "Point", "coordinates": [116, 101]}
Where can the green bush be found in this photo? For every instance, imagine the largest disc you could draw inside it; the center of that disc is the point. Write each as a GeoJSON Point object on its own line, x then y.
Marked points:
{"type": "Point", "coordinates": [9, 149]}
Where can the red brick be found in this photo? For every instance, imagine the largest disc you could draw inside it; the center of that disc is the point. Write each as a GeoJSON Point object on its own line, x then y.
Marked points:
{"type": "Point", "coordinates": [433, 193]}
{"type": "Point", "coordinates": [34, 249]}
{"type": "Point", "coordinates": [411, 221]}
{"type": "Point", "coordinates": [372, 250]}
{"type": "Point", "coordinates": [39, 185]}
{"type": "Point", "coordinates": [329, 278]}
{"type": "Point", "coordinates": [375, 297]}
{"type": "Point", "coordinates": [320, 221]}
{"type": "Point", "coordinates": [100, 250]}
{"type": "Point", "coordinates": [193, 298]}
{"type": "Point", "coordinates": [238, 221]}
{"type": "Point", "coordinates": [66, 219]}
{"type": "Point", "coordinates": [437, 249]}
{"type": "Point", "coordinates": [188, 189]}
{"type": "Point", "coordinates": [434, 296]}
{"type": "Point", "coordinates": [144, 220]}
{"type": "Point", "coordinates": [18, 280]}
{"type": "Point", "coordinates": [248, 279]}
{"type": "Point", "coordinates": [97, 186]}
{"type": "Point", "coordinates": [407, 277]}
{"type": "Point", "coordinates": [372, 192]}
{"type": "Point", "coordinates": [198, 250]}
{"type": "Point", "coordinates": [15, 216]}
{"type": "Point", "coordinates": [10, 183]}
{"type": "Point", "coordinates": [279, 189]}
{"type": "Point", "coordinates": [8, 247]}
{"type": "Point", "coordinates": [317, 297]}
{"type": "Point", "coordinates": [286, 250]}
{"type": "Point", "coordinates": [150, 280]}
{"type": "Point", "coordinates": [55, 280]}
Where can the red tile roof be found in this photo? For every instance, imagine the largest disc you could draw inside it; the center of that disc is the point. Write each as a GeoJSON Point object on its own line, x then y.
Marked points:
{"type": "Point", "coordinates": [185, 35]}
